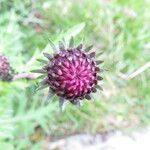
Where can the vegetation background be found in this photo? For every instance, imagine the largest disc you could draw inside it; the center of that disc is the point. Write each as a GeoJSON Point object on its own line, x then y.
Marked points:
{"type": "Point", "coordinates": [120, 28]}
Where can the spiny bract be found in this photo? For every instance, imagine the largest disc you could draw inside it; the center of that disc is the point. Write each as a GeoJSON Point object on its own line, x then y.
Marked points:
{"type": "Point", "coordinates": [72, 73]}
{"type": "Point", "coordinates": [4, 68]}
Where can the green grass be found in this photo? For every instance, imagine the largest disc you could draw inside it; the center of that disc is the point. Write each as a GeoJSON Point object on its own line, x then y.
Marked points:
{"type": "Point", "coordinates": [120, 28]}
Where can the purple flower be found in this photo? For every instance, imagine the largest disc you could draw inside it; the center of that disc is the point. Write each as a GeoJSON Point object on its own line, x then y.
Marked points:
{"type": "Point", "coordinates": [72, 73]}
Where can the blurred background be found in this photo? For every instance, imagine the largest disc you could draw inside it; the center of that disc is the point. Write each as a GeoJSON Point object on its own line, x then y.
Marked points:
{"type": "Point", "coordinates": [119, 28]}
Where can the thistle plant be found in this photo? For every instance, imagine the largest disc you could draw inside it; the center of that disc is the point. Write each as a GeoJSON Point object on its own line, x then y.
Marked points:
{"type": "Point", "coordinates": [72, 73]}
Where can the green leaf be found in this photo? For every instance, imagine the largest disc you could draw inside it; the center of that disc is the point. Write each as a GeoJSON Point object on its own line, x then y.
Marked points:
{"type": "Point", "coordinates": [99, 54]}
{"type": "Point", "coordinates": [88, 48]}
{"type": "Point", "coordinates": [88, 97]}
{"type": "Point", "coordinates": [61, 103]}
{"type": "Point", "coordinates": [92, 54]}
{"type": "Point", "coordinates": [72, 32]}
{"type": "Point", "coordinates": [49, 97]}
{"type": "Point", "coordinates": [52, 45]}
{"type": "Point", "coordinates": [71, 42]}
{"type": "Point", "coordinates": [44, 82]}
{"type": "Point", "coordinates": [42, 61]}
{"type": "Point", "coordinates": [42, 87]}
{"type": "Point", "coordinates": [99, 62]}
{"type": "Point", "coordinates": [99, 78]}
{"type": "Point", "coordinates": [99, 87]}
{"type": "Point", "coordinates": [41, 76]}
{"type": "Point", "coordinates": [79, 46]}
{"type": "Point", "coordinates": [38, 71]}
{"type": "Point", "coordinates": [61, 45]}
{"type": "Point", "coordinates": [48, 56]}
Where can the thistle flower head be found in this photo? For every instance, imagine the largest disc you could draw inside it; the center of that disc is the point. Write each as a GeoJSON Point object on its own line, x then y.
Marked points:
{"type": "Point", "coordinates": [4, 68]}
{"type": "Point", "coordinates": [72, 73]}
